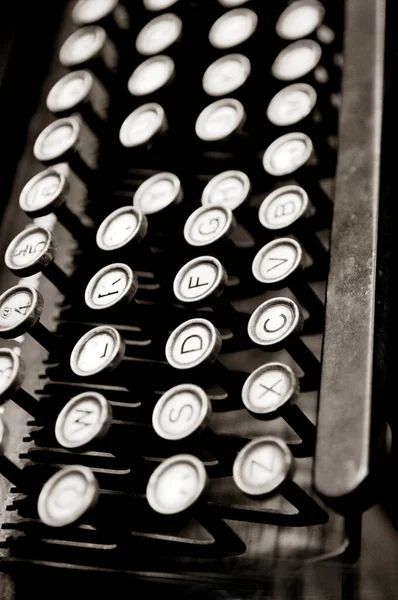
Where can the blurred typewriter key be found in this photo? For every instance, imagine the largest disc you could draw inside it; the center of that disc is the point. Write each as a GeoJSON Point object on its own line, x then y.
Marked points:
{"type": "Point", "coordinates": [160, 33]}
{"type": "Point", "coordinates": [292, 104]}
{"type": "Point", "coordinates": [159, 195]}
{"type": "Point", "coordinates": [112, 286]}
{"type": "Point", "coordinates": [289, 156]}
{"type": "Point", "coordinates": [276, 324]}
{"type": "Point", "coordinates": [281, 263]}
{"type": "Point", "coordinates": [110, 14]}
{"type": "Point", "coordinates": [226, 75]}
{"type": "Point", "coordinates": [74, 93]}
{"type": "Point", "coordinates": [67, 496]}
{"type": "Point", "coordinates": [265, 466]}
{"type": "Point", "coordinates": [233, 28]}
{"type": "Point", "coordinates": [297, 60]}
{"type": "Point", "coordinates": [154, 5]}
{"type": "Point", "coordinates": [46, 193]}
{"type": "Point", "coordinates": [89, 47]}
{"type": "Point", "coordinates": [59, 142]}
{"type": "Point", "coordinates": [142, 125]}
{"type": "Point", "coordinates": [85, 418]}
{"type": "Point", "coordinates": [8, 468]}
{"type": "Point", "coordinates": [12, 370]}
{"type": "Point", "coordinates": [287, 209]}
{"type": "Point", "coordinates": [232, 3]}
{"type": "Point", "coordinates": [20, 310]}
{"type": "Point", "coordinates": [300, 19]}
{"type": "Point", "coordinates": [32, 251]}
{"type": "Point", "coordinates": [177, 487]}
{"type": "Point", "coordinates": [270, 392]}
{"type": "Point", "coordinates": [229, 188]}
{"type": "Point", "coordinates": [176, 484]}
{"type": "Point", "coordinates": [220, 120]}
{"type": "Point", "coordinates": [151, 75]}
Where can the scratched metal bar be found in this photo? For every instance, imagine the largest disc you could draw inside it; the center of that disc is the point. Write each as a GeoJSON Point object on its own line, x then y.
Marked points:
{"type": "Point", "coordinates": [349, 421]}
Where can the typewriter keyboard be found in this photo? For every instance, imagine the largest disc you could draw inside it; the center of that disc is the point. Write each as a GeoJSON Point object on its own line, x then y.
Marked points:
{"type": "Point", "coordinates": [169, 289]}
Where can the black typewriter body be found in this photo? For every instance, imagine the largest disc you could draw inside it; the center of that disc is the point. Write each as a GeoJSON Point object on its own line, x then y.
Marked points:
{"type": "Point", "coordinates": [284, 486]}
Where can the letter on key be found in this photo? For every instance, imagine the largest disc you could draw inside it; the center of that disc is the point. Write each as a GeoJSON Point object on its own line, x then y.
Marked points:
{"type": "Point", "coordinates": [282, 207]}
{"type": "Point", "coordinates": [229, 189]}
{"type": "Point", "coordinates": [100, 349]}
{"type": "Point", "coordinates": [181, 411]}
{"type": "Point", "coordinates": [277, 260]}
{"type": "Point", "coordinates": [200, 278]}
{"type": "Point", "coordinates": [84, 418]}
{"type": "Point", "coordinates": [176, 484]}
{"type": "Point", "coordinates": [122, 226]}
{"type": "Point", "coordinates": [110, 285]}
{"type": "Point", "coordinates": [67, 496]}
{"type": "Point", "coordinates": [262, 466]}
{"type": "Point", "coordinates": [193, 343]}
{"type": "Point", "coordinates": [208, 224]}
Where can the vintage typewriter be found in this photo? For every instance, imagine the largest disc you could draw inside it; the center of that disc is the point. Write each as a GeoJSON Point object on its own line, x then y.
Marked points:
{"type": "Point", "coordinates": [195, 366]}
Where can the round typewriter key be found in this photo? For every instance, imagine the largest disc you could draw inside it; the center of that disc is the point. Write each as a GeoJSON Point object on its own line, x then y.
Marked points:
{"type": "Point", "coordinates": [87, 12]}
{"type": "Point", "coordinates": [100, 349]}
{"type": "Point", "coordinates": [151, 75]}
{"type": "Point", "coordinates": [229, 189]}
{"type": "Point", "coordinates": [287, 154]}
{"type": "Point", "coordinates": [32, 251]}
{"type": "Point", "coordinates": [208, 224]}
{"type": "Point", "coordinates": [176, 484]}
{"type": "Point", "coordinates": [67, 496]}
{"type": "Point", "coordinates": [157, 35]}
{"type": "Point", "coordinates": [278, 260]}
{"type": "Point", "coordinates": [199, 279]}
{"type": "Point", "coordinates": [154, 5]}
{"type": "Point", "coordinates": [296, 60]}
{"type": "Point", "coordinates": [157, 193]}
{"type": "Point", "coordinates": [291, 104]}
{"type": "Point", "coordinates": [271, 391]}
{"type": "Point", "coordinates": [193, 343]}
{"type": "Point", "coordinates": [44, 194]}
{"type": "Point", "coordinates": [57, 139]}
{"type": "Point", "coordinates": [262, 466]}
{"type": "Point", "coordinates": [73, 93]}
{"type": "Point", "coordinates": [142, 125]}
{"type": "Point", "coordinates": [12, 370]}
{"type": "Point", "coordinates": [300, 19]}
{"type": "Point", "coordinates": [273, 321]}
{"type": "Point", "coordinates": [59, 142]}
{"type": "Point", "coordinates": [181, 411]}
{"type": "Point", "coordinates": [276, 323]}
{"type": "Point", "coordinates": [282, 207]}
{"type": "Point", "coordinates": [232, 3]}
{"type": "Point", "coordinates": [122, 226]}
{"type": "Point", "coordinates": [82, 46]}
{"type": "Point", "coordinates": [282, 260]}
{"type": "Point", "coordinates": [110, 285]}
{"type": "Point", "coordinates": [84, 418]}
{"type": "Point", "coordinates": [20, 310]}
{"type": "Point", "coordinates": [233, 28]}
{"type": "Point", "coordinates": [226, 74]}
{"type": "Point", "coordinates": [220, 119]}
{"type": "Point", "coordinates": [70, 91]}
{"type": "Point", "coordinates": [269, 388]}
{"type": "Point", "coordinates": [9, 469]}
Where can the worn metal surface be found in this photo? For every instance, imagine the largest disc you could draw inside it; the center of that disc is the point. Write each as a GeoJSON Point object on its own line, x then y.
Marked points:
{"type": "Point", "coordinates": [347, 427]}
